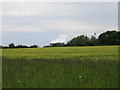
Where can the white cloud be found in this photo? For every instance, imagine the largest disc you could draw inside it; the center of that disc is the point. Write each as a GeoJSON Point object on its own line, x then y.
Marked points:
{"type": "Point", "coordinates": [34, 9]}
{"type": "Point", "coordinates": [61, 23]}
{"type": "Point", "coordinates": [49, 8]}
{"type": "Point", "coordinates": [64, 38]}
{"type": "Point", "coordinates": [7, 28]}
{"type": "Point", "coordinates": [66, 25]}
{"type": "Point", "coordinates": [58, 25]}
{"type": "Point", "coordinates": [69, 25]}
{"type": "Point", "coordinates": [54, 18]}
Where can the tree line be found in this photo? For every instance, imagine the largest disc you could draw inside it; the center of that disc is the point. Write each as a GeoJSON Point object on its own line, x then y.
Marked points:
{"type": "Point", "coordinates": [105, 38]}
{"type": "Point", "coordinates": [11, 45]}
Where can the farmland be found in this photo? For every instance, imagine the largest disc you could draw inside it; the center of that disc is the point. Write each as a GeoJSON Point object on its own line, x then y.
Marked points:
{"type": "Point", "coordinates": [61, 67]}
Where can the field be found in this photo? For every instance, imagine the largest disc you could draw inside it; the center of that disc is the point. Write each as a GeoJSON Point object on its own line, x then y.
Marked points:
{"type": "Point", "coordinates": [61, 67]}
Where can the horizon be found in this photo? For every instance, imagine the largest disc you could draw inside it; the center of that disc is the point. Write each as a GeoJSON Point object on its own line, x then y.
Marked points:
{"type": "Point", "coordinates": [56, 42]}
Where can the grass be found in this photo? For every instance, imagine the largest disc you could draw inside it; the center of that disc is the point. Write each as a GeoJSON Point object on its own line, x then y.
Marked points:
{"type": "Point", "coordinates": [61, 67]}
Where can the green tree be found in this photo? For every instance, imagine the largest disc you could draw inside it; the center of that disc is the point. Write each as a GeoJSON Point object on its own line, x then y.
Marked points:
{"type": "Point", "coordinates": [109, 38]}
{"type": "Point", "coordinates": [33, 46]}
{"type": "Point", "coordinates": [118, 37]}
{"type": "Point", "coordinates": [93, 41]}
{"type": "Point", "coordinates": [81, 40]}
{"type": "Point", "coordinates": [11, 45]}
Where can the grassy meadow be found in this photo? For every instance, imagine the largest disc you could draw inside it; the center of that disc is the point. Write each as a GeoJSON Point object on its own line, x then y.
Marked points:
{"type": "Point", "coordinates": [61, 67]}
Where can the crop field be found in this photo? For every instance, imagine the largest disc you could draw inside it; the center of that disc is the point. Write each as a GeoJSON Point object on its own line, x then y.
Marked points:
{"type": "Point", "coordinates": [60, 67]}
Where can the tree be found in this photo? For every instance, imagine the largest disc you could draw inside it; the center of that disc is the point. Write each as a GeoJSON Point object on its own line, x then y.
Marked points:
{"type": "Point", "coordinates": [93, 41]}
{"type": "Point", "coordinates": [118, 37]}
{"type": "Point", "coordinates": [81, 40]}
{"type": "Point", "coordinates": [22, 46]}
{"type": "Point", "coordinates": [33, 46]}
{"type": "Point", "coordinates": [11, 45]}
{"type": "Point", "coordinates": [109, 38]}
{"type": "Point", "coordinates": [4, 47]}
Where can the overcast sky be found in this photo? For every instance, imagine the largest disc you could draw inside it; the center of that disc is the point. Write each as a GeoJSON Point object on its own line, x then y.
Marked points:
{"type": "Point", "coordinates": [40, 23]}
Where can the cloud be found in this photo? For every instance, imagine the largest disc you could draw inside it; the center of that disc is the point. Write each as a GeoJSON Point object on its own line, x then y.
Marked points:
{"type": "Point", "coordinates": [58, 17]}
{"type": "Point", "coordinates": [7, 28]}
{"type": "Point", "coordinates": [67, 25]}
{"type": "Point", "coordinates": [70, 25]}
{"type": "Point", "coordinates": [34, 9]}
{"type": "Point", "coordinates": [62, 20]}
{"type": "Point", "coordinates": [55, 25]}
{"type": "Point", "coordinates": [63, 38]}
{"type": "Point", "coordinates": [53, 8]}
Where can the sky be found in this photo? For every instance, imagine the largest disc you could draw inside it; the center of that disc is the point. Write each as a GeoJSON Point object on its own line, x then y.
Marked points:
{"type": "Point", "coordinates": [42, 23]}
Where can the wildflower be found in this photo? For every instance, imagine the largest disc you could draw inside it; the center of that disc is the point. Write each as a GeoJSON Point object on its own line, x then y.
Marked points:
{"type": "Point", "coordinates": [19, 81]}
{"type": "Point", "coordinates": [80, 77]}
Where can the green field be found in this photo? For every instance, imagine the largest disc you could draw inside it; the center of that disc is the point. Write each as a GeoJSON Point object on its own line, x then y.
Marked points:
{"type": "Point", "coordinates": [61, 67]}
